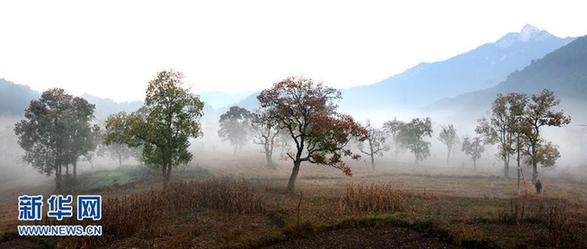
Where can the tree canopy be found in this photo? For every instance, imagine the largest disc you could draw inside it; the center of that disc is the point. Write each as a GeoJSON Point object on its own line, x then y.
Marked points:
{"type": "Point", "coordinates": [305, 109]}
{"type": "Point", "coordinates": [56, 131]}
{"type": "Point", "coordinates": [473, 147]}
{"type": "Point", "coordinates": [448, 136]}
{"type": "Point", "coordinates": [411, 135]}
{"type": "Point", "coordinates": [163, 126]}
{"type": "Point", "coordinates": [235, 126]}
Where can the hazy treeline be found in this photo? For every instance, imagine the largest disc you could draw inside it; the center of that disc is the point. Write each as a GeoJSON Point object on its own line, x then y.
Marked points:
{"type": "Point", "coordinates": [297, 121]}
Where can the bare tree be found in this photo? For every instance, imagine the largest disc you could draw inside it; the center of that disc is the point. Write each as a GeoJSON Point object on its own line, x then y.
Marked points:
{"type": "Point", "coordinates": [374, 144]}
{"type": "Point", "coordinates": [265, 132]}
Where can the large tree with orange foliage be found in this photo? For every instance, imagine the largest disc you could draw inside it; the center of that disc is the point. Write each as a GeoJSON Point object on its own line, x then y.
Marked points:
{"type": "Point", "coordinates": [305, 109]}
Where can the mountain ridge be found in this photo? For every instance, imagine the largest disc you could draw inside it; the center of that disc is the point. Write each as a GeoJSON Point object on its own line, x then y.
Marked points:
{"type": "Point", "coordinates": [480, 68]}
{"type": "Point", "coordinates": [563, 71]}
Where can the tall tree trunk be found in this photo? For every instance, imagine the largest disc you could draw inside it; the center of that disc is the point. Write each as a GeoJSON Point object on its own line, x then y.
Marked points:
{"type": "Point", "coordinates": [66, 170]}
{"type": "Point", "coordinates": [474, 163]}
{"type": "Point", "coordinates": [372, 161]}
{"type": "Point", "coordinates": [448, 157]}
{"type": "Point", "coordinates": [291, 185]}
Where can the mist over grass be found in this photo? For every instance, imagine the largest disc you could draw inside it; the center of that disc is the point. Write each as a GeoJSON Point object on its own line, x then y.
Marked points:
{"type": "Point", "coordinates": [211, 152]}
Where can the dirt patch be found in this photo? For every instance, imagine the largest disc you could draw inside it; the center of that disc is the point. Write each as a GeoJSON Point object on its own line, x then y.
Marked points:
{"type": "Point", "coordinates": [367, 237]}
{"type": "Point", "coordinates": [20, 244]}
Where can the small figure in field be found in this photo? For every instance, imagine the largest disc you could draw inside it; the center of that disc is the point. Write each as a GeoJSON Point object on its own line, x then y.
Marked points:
{"type": "Point", "coordinates": [538, 186]}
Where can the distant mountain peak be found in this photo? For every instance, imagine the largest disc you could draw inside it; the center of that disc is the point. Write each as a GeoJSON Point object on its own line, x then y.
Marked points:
{"type": "Point", "coordinates": [528, 33]}
{"type": "Point", "coordinates": [477, 69]}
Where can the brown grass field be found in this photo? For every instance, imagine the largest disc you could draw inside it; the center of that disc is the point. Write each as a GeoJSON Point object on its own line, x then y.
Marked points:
{"type": "Point", "coordinates": [244, 205]}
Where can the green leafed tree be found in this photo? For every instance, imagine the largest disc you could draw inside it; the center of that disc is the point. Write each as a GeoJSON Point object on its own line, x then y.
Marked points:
{"type": "Point", "coordinates": [473, 147]}
{"type": "Point", "coordinates": [235, 127]}
{"type": "Point", "coordinates": [448, 136]}
{"type": "Point", "coordinates": [56, 131]}
{"type": "Point", "coordinates": [163, 127]}
{"type": "Point", "coordinates": [411, 136]}
{"type": "Point", "coordinates": [500, 127]}
{"type": "Point", "coordinates": [540, 113]}
{"type": "Point", "coordinates": [305, 109]}
{"type": "Point", "coordinates": [391, 129]}
{"type": "Point", "coordinates": [116, 151]}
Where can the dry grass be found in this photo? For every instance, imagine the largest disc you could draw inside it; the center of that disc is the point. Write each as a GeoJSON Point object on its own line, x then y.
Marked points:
{"type": "Point", "coordinates": [227, 213]}
{"type": "Point", "coordinates": [373, 198]}
{"type": "Point", "coordinates": [145, 214]}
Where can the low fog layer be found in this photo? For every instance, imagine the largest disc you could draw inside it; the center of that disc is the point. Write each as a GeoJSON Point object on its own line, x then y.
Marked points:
{"type": "Point", "coordinates": [210, 151]}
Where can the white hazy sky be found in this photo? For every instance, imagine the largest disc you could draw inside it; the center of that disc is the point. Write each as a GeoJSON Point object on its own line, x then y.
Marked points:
{"type": "Point", "coordinates": [112, 48]}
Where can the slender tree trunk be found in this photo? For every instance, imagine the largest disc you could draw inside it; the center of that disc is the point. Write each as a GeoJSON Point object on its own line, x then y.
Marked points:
{"type": "Point", "coordinates": [518, 162]}
{"type": "Point", "coordinates": [448, 157]}
{"type": "Point", "coordinates": [372, 161]}
{"type": "Point", "coordinates": [269, 161]}
{"type": "Point", "coordinates": [506, 166]}
{"type": "Point", "coordinates": [291, 185]}
{"type": "Point", "coordinates": [168, 174]}
{"type": "Point", "coordinates": [66, 170]}
{"type": "Point", "coordinates": [534, 165]}
{"type": "Point", "coordinates": [58, 177]}
{"type": "Point", "coordinates": [474, 163]}
{"type": "Point", "coordinates": [164, 173]}
{"type": "Point", "coordinates": [269, 156]}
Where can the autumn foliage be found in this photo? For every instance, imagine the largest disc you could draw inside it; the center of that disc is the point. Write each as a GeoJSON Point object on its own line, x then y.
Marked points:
{"type": "Point", "coordinates": [305, 109]}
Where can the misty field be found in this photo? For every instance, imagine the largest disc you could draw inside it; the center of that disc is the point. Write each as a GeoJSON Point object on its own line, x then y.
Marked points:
{"type": "Point", "coordinates": [242, 204]}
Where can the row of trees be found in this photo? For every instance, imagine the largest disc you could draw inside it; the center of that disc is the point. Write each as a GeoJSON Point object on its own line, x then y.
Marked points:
{"type": "Point", "coordinates": [408, 135]}
{"type": "Point", "coordinates": [515, 125]}
{"type": "Point", "coordinates": [58, 129]}
{"type": "Point", "coordinates": [56, 132]}
{"type": "Point", "coordinates": [296, 113]}
{"type": "Point", "coordinates": [300, 113]}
